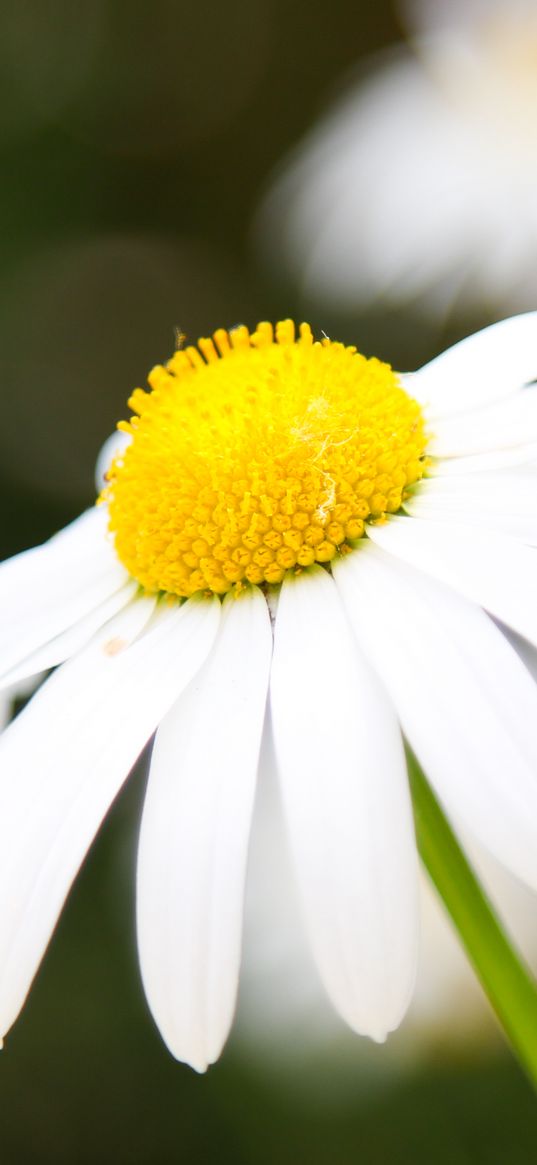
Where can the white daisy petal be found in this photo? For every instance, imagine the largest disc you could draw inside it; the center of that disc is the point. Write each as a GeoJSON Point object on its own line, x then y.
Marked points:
{"type": "Point", "coordinates": [57, 781]}
{"type": "Point", "coordinates": [497, 459]}
{"type": "Point", "coordinates": [503, 425]}
{"type": "Point", "coordinates": [524, 650]}
{"type": "Point", "coordinates": [502, 501]}
{"type": "Point", "coordinates": [511, 489]}
{"type": "Point", "coordinates": [194, 837]}
{"type": "Point", "coordinates": [465, 700]}
{"type": "Point", "coordinates": [523, 529]}
{"type": "Point", "coordinates": [45, 590]}
{"type": "Point", "coordinates": [347, 804]}
{"type": "Point", "coordinates": [493, 570]}
{"type": "Point", "coordinates": [64, 547]}
{"type": "Point", "coordinates": [71, 640]}
{"type": "Point", "coordinates": [488, 366]}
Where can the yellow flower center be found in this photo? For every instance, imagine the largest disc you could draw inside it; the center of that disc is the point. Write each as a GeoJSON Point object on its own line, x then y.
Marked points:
{"type": "Point", "coordinates": [257, 454]}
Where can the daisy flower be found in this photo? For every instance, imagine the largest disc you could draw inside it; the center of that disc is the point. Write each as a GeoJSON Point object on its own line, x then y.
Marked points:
{"type": "Point", "coordinates": [420, 183]}
{"type": "Point", "coordinates": [292, 526]}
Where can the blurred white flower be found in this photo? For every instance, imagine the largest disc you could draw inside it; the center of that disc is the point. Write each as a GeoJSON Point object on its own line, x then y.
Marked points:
{"type": "Point", "coordinates": [420, 185]}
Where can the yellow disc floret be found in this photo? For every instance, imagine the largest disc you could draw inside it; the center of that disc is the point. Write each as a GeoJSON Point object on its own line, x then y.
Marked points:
{"type": "Point", "coordinates": [256, 454]}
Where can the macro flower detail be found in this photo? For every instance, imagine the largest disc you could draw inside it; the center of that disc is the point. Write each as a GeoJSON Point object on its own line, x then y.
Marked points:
{"type": "Point", "coordinates": [269, 456]}
{"type": "Point", "coordinates": [297, 553]}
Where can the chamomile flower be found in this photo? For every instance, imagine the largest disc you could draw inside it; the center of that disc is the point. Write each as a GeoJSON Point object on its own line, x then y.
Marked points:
{"type": "Point", "coordinates": [292, 527]}
{"type": "Point", "coordinates": [419, 185]}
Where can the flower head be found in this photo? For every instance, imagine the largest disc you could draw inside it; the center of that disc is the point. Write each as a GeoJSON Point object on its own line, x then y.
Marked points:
{"type": "Point", "coordinates": [267, 455]}
{"type": "Point", "coordinates": [286, 518]}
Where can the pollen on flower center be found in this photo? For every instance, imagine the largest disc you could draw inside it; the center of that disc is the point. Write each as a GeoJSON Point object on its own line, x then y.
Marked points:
{"type": "Point", "coordinates": [254, 454]}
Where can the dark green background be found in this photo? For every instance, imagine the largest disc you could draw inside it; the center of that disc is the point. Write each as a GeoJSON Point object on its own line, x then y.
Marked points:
{"type": "Point", "coordinates": [136, 140]}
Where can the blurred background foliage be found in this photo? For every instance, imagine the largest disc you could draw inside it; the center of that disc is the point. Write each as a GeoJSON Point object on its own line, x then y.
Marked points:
{"type": "Point", "coordinates": [137, 141]}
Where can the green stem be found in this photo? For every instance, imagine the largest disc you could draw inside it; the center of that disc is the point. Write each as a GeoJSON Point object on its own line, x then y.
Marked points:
{"type": "Point", "coordinates": [508, 984]}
